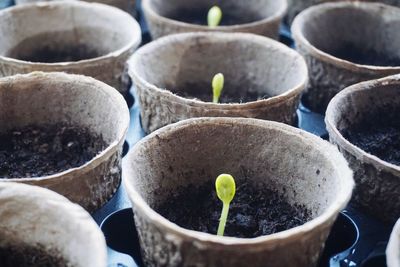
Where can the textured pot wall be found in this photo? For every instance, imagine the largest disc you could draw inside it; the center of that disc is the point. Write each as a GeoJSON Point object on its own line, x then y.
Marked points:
{"type": "Point", "coordinates": [126, 5]}
{"type": "Point", "coordinates": [34, 217]}
{"type": "Point", "coordinates": [55, 97]}
{"type": "Point", "coordinates": [323, 29]}
{"type": "Point", "coordinates": [393, 249]}
{"type": "Point", "coordinates": [108, 33]}
{"type": "Point", "coordinates": [265, 16]}
{"type": "Point", "coordinates": [196, 151]}
{"type": "Point", "coordinates": [377, 182]}
{"type": "Point", "coordinates": [249, 62]}
{"type": "Point", "coordinates": [296, 6]}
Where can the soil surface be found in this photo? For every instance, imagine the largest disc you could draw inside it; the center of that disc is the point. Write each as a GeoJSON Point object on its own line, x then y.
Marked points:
{"type": "Point", "coordinates": [35, 151]}
{"type": "Point", "coordinates": [199, 17]}
{"type": "Point", "coordinates": [203, 92]}
{"type": "Point", "coordinates": [30, 257]}
{"type": "Point", "coordinates": [48, 54]}
{"type": "Point", "coordinates": [356, 55]}
{"type": "Point", "coordinates": [378, 134]}
{"type": "Point", "coordinates": [53, 47]}
{"type": "Point", "coordinates": [253, 212]}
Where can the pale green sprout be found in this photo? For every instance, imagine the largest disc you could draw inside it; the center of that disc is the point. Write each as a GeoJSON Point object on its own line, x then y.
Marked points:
{"type": "Point", "coordinates": [217, 86]}
{"type": "Point", "coordinates": [214, 16]}
{"type": "Point", "coordinates": [226, 189]}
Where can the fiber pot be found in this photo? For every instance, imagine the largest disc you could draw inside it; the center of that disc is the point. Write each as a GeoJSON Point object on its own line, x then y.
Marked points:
{"type": "Point", "coordinates": [167, 69]}
{"type": "Point", "coordinates": [345, 43]}
{"type": "Point", "coordinates": [196, 151]}
{"type": "Point", "coordinates": [377, 181]}
{"type": "Point", "coordinates": [96, 41]}
{"type": "Point", "coordinates": [393, 249]}
{"type": "Point", "coordinates": [36, 223]}
{"type": "Point", "coordinates": [77, 100]}
{"type": "Point", "coordinates": [126, 5]}
{"type": "Point", "coordinates": [296, 6]}
{"type": "Point", "coordinates": [261, 17]}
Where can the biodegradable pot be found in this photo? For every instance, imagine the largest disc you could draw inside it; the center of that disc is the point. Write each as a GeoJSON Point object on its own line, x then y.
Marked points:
{"type": "Point", "coordinates": [377, 182]}
{"type": "Point", "coordinates": [32, 217]}
{"type": "Point", "coordinates": [249, 62]}
{"type": "Point", "coordinates": [192, 152]}
{"type": "Point", "coordinates": [261, 17]}
{"type": "Point", "coordinates": [393, 248]}
{"type": "Point", "coordinates": [94, 39]}
{"type": "Point", "coordinates": [126, 5]}
{"type": "Point", "coordinates": [296, 6]}
{"type": "Point", "coordinates": [323, 30]}
{"type": "Point", "coordinates": [71, 99]}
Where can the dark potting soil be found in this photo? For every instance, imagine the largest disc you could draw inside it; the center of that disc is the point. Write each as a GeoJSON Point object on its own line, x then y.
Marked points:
{"type": "Point", "coordinates": [26, 256]}
{"type": "Point", "coordinates": [47, 54]}
{"type": "Point", "coordinates": [199, 17]}
{"type": "Point", "coordinates": [35, 151]}
{"type": "Point", "coordinates": [356, 55]}
{"type": "Point", "coordinates": [203, 92]}
{"type": "Point", "coordinates": [53, 47]}
{"type": "Point", "coordinates": [253, 212]}
{"type": "Point", "coordinates": [378, 134]}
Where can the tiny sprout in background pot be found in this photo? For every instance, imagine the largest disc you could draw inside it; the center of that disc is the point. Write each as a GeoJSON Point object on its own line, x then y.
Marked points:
{"type": "Point", "coordinates": [217, 86]}
{"type": "Point", "coordinates": [226, 189]}
{"type": "Point", "coordinates": [214, 16]}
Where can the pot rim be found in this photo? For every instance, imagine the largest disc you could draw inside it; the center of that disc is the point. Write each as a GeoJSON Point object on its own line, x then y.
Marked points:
{"type": "Point", "coordinates": [342, 198]}
{"type": "Point", "coordinates": [278, 15]}
{"type": "Point", "coordinates": [290, 93]}
{"type": "Point", "coordinates": [32, 195]}
{"type": "Point", "coordinates": [104, 88]}
{"type": "Point", "coordinates": [298, 35]}
{"type": "Point", "coordinates": [393, 248]}
{"type": "Point", "coordinates": [343, 142]}
{"type": "Point", "coordinates": [134, 42]}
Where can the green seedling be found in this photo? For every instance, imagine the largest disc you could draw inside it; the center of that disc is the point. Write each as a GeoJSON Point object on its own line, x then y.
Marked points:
{"type": "Point", "coordinates": [214, 16]}
{"type": "Point", "coordinates": [226, 189]}
{"type": "Point", "coordinates": [217, 86]}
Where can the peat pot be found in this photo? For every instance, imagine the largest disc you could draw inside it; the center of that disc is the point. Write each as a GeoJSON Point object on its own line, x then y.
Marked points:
{"type": "Point", "coordinates": [393, 249]}
{"type": "Point", "coordinates": [176, 16]}
{"type": "Point", "coordinates": [363, 122]}
{"type": "Point", "coordinates": [126, 5]}
{"type": "Point", "coordinates": [296, 6]}
{"type": "Point", "coordinates": [190, 154]}
{"type": "Point", "coordinates": [172, 77]}
{"type": "Point", "coordinates": [41, 228]}
{"type": "Point", "coordinates": [345, 43]}
{"type": "Point", "coordinates": [57, 102]}
{"type": "Point", "coordinates": [70, 36]}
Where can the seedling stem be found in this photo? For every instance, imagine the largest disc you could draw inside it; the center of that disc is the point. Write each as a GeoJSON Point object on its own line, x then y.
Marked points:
{"type": "Point", "coordinates": [226, 189]}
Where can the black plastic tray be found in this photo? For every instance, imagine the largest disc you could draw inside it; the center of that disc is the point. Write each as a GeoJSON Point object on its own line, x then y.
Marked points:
{"type": "Point", "coordinates": [355, 240]}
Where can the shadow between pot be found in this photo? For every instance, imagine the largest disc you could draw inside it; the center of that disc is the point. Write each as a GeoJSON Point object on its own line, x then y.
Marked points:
{"type": "Point", "coordinates": [122, 238]}
{"type": "Point", "coordinates": [341, 241]}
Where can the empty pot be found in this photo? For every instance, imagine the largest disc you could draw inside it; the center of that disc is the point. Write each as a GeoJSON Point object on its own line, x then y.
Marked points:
{"type": "Point", "coordinates": [70, 36]}
{"type": "Point", "coordinates": [39, 227]}
{"type": "Point", "coordinates": [377, 181]}
{"type": "Point", "coordinates": [52, 98]}
{"type": "Point", "coordinates": [345, 43]}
